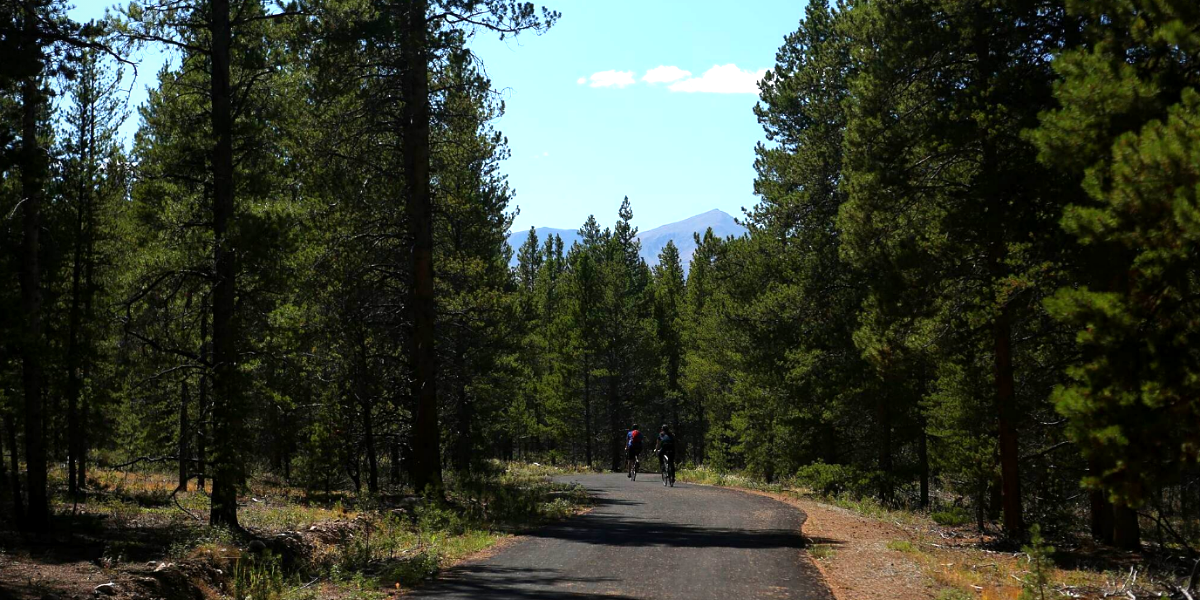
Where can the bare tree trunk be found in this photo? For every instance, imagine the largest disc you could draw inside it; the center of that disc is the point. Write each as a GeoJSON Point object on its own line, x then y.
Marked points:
{"type": "Point", "coordinates": [884, 414]}
{"type": "Point", "coordinates": [5, 482]}
{"type": "Point", "coordinates": [923, 457]}
{"type": "Point", "coordinates": [88, 292]}
{"type": "Point", "coordinates": [1010, 474]}
{"type": "Point", "coordinates": [202, 412]}
{"type": "Point", "coordinates": [587, 411]}
{"type": "Point", "coordinates": [226, 417]}
{"type": "Point", "coordinates": [74, 382]}
{"type": "Point", "coordinates": [614, 426]}
{"type": "Point", "coordinates": [1101, 509]}
{"type": "Point", "coordinates": [394, 475]}
{"type": "Point", "coordinates": [184, 432]}
{"type": "Point", "coordinates": [365, 404]}
{"type": "Point", "coordinates": [82, 229]}
{"type": "Point", "coordinates": [426, 460]}
{"type": "Point", "coordinates": [81, 461]}
{"type": "Point", "coordinates": [363, 393]}
{"type": "Point", "coordinates": [1127, 532]}
{"type": "Point", "coordinates": [37, 517]}
{"type": "Point", "coordinates": [462, 445]}
{"type": "Point", "coordinates": [10, 428]}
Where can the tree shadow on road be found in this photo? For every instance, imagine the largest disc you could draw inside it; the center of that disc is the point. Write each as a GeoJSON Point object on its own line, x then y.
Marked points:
{"type": "Point", "coordinates": [610, 530]}
{"type": "Point", "coordinates": [489, 581]}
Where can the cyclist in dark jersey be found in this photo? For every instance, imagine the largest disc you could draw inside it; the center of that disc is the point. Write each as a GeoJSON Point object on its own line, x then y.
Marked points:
{"type": "Point", "coordinates": [665, 449]}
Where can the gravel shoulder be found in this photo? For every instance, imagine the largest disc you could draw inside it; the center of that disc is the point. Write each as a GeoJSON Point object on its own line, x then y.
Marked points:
{"type": "Point", "coordinates": [856, 561]}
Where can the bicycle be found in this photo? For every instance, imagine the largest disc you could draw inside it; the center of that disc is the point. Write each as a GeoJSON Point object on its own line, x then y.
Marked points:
{"type": "Point", "coordinates": [633, 467]}
{"type": "Point", "coordinates": [667, 466]}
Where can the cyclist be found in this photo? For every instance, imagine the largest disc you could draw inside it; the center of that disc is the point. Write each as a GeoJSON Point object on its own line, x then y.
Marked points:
{"type": "Point", "coordinates": [665, 449]}
{"type": "Point", "coordinates": [633, 447]}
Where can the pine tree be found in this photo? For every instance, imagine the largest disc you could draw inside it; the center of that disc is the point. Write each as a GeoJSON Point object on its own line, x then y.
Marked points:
{"type": "Point", "coordinates": [669, 292]}
{"type": "Point", "coordinates": [946, 199]}
{"type": "Point", "coordinates": [1127, 129]}
{"type": "Point", "coordinates": [92, 181]}
{"type": "Point", "coordinates": [228, 54]}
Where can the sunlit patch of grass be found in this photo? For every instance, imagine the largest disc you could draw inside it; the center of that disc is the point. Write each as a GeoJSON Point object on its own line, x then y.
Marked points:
{"type": "Point", "coordinates": [272, 514]}
{"type": "Point", "coordinates": [901, 546]}
{"type": "Point", "coordinates": [982, 573]}
{"type": "Point", "coordinates": [396, 550]}
{"type": "Point", "coordinates": [363, 546]}
{"type": "Point", "coordinates": [822, 551]}
{"type": "Point", "coordinates": [954, 594]}
{"type": "Point", "coordinates": [708, 476]}
{"type": "Point", "coordinates": [521, 469]}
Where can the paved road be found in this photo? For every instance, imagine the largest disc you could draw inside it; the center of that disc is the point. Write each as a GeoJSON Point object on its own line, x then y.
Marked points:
{"type": "Point", "coordinates": [643, 540]}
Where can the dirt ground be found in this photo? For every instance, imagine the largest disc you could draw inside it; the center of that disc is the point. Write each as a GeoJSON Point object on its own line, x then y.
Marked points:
{"type": "Point", "coordinates": [858, 564]}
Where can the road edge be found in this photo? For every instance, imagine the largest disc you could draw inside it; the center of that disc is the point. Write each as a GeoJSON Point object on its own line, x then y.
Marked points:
{"type": "Point", "coordinates": [841, 585]}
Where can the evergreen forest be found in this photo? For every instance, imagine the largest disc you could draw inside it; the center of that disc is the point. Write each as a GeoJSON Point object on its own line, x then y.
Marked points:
{"type": "Point", "coordinates": [971, 281]}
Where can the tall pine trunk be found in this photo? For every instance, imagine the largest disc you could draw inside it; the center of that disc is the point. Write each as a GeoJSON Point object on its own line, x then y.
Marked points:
{"type": "Point", "coordinates": [587, 412]}
{"type": "Point", "coordinates": [89, 292]}
{"type": "Point", "coordinates": [884, 414]}
{"type": "Point", "coordinates": [74, 382]}
{"type": "Point", "coordinates": [1010, 474]}
{"type": "Point", "coordinates": [1127, 533]}
{"type": "Point", "coordinates": [394, 467]}
{"type": "Point", "coordinates": [364, 389]}
{"type": "Point", "coordinates": [37, 517]}
{"type": "Point", "coordinates": [82, 227]}
{"type": "Point", "coordinates": [184, 432]}
{"type": "Point", "coordinates": [462, 444]}
{"type": "Point", "coordinates": [369, 448]}
{"type": "Point", "coordinates": [81, 460]}
{"type": "Point", "coordinates": [426, 469]}
{"type": "Point", "coordinates": [923, 458]}
{"type": "Point", "coordinates": [202, 409]}
{"type": "Point", "coordinates": [992, 187]}
{"type": "Point", "coordinates": [10, 430]}
{"type": "Point", "coordinates": [226, 417]}
{"type": "Point", "coordinates": [614, 427]}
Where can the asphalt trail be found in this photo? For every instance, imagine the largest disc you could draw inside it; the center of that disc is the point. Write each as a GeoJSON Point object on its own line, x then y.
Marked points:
{"type": "Point", "coordinates": [644, 540]}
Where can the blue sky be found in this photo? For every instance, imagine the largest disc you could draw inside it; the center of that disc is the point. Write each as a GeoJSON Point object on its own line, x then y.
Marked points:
{"type": "Point", "coordinates": [587, 128]}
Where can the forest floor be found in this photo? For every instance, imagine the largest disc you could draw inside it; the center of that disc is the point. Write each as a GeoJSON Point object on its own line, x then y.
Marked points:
{"type": "Point", "coordinates": [869, 552]}
{"type": "Point", "coordinates": [133, 537]}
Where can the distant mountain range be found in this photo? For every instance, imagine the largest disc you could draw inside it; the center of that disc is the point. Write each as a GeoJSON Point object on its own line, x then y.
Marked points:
{"type": "Point", "coordinates": [652, 240]}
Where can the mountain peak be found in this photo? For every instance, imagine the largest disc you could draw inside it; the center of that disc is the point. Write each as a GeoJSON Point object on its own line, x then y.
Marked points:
{"type": "Point", "coordinates": [653, 240]}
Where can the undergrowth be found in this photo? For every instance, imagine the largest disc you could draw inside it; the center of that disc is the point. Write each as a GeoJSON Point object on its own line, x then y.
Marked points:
{"type": "Point", "coordinates": [350, 546]}
{"type": "Point", "coordinates": [954, 556]}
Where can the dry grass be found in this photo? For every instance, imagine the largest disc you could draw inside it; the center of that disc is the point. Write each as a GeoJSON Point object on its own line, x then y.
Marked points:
{"type": "Point", "coordinates": [345, 545]}
{"type": "Point", "coordinates": [958, 562]}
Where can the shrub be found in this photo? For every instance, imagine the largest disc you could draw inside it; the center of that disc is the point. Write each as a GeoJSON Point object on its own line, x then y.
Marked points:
{"type": "Point", "coordinates": [1038, 554]}
{"type": "Point", "coordinates": [257, 577]}
{"type": "Point", "coordinates": [432, 518]}
{"type": "Point", "coordinates": [953, 516]}
{"type": "Point", "coordinates": [835, 480]}
{"type": "Point", "coordinates": [413, 569]}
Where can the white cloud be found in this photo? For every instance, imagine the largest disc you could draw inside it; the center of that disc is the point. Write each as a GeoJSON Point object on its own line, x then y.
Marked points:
{"type": "Point", "coordinates": [722, 79]}
{"type": "Point", "coordinates": [617, 79]}
{"type": "Point", "coordinates": [665, 74]}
